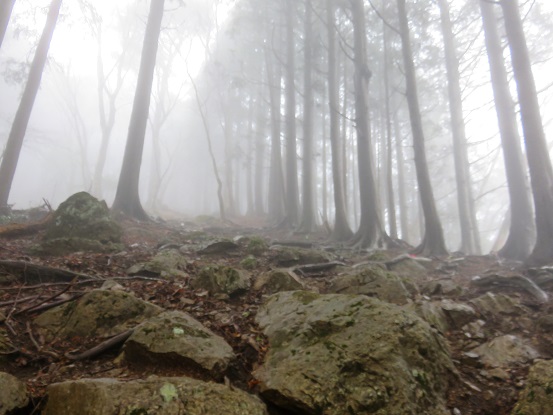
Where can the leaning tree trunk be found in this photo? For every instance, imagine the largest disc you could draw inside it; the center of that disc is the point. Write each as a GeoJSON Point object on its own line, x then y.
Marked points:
{"type": "Point", "coordinates": [470, 238]}
{"type": "Point", "coordinates": [5, 13]}
{"type": "Point", "coordinates": [127, 199]}
{"type": "Point", "coordinates": [433, 241]}
{"type": "Point", "coordinates": [21, 121]}
{"type": "Point", "coordinates": [342, 230]}
{"type": "Point", "coordinates": [521, 231]}
{"type": "Point", "coordinates": [541, 172]}
{"type": "Point", "coordinates": [370, 232]}
{"type": "Point", "coordinates": [308, 222]}
{"type": "Point", "coordinates": [292, 191]}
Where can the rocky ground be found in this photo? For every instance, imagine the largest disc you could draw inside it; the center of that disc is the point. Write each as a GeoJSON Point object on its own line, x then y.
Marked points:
{"type": "Point", "coordinates": [453, 335]}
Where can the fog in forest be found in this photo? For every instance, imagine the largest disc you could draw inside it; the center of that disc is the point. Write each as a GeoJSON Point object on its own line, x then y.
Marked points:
{"type": "Point", "coordinates": [231, 83]}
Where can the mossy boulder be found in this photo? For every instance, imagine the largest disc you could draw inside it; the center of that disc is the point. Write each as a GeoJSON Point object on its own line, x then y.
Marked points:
{"type": "Point", "coordinates": [537, 396]}
{"type": "Point", "coordinates": [222, 280]}
{"type": "Point", "coordinates": [168, 263]}
{"type": "Point", "coordinates": [373, 281]}
{"type": "Point", "coordinates": [174, 337]}
{"type": "Point", "coordinates": [97, 313]}
{"type": "Point", "coordinates": [81, 223]}
{"type": "Point", "coordinates": [276, 281]}
{"type": "Point", "coordinates": [151, 396]}
{"type": "Point", "coordinates": [351, 354]}
{"type": "Point", "coordinates": [13, 394]}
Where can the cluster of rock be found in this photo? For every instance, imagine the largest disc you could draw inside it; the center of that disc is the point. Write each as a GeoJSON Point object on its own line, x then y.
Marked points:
{"type": "Point", "coordinates": [370, 341]}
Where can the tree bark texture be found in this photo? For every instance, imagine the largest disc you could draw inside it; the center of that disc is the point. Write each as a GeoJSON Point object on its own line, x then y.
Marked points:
{"type": "Point", "coordinates": [521, 231]}
{"type": "Point", "coordinates": [539, 163]}
{"type": "Point", "coordinates": [12, 151]}
{"type": "Point", "coordinates": [308, 218]}
{"type": "Point", "coordinates": [5, 13]}
{"type": "Point", "coordinates": [433, 243]}
{"type": "Point", "coordinates": [292, 191]}
{"type": "Point", "coordinates": [470, 238]}
{"type": "Point", "coordinates": [127, 198]}
{"type": "Point", "coordinates": [370, 232]}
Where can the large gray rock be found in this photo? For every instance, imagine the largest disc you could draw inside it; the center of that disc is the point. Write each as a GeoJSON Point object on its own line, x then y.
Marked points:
{"type": "Point", "coordinates": [276, 281]}
{"type": "Point", "coordinates": [458, 314]}
{"type": "Point", "coordinates": [81, 223]}
{"type": "Point", "coordinates": [222, 280]}
{"type": "Point", "coordinates": [350, 354]}
{"type": "Point", "coordinates": [505, 351]}
{"type": "Point", "coordinates": [537, 396]}
{"type": "Point", "coordinates": [166, 264]}
{"type": "Point", "coordinates": [152, 396]}
{"type": "Point", "coordinates": [13, 394]}
{"type": "Point", "coordinates": [97, 313]}
{"type": "Point", "coordinates": [373, 281]}
{"type": "Point", "coordinates": [176, 337]}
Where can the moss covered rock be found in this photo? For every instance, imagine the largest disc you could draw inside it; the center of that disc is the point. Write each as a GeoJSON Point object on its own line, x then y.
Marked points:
{"type": "Point", "coordinates": [222, 280]}
{"type": "Point", "coordinates": [13, 394]}
{"type": "Point", "coordinates": [373, 281]}
{"type": "Point", "coordinates": [97, 313]}
{"type": "Point", "coordinates": [152, 396]}
{"type": "Point", "coordinates": [537, 396]}
{"type": "Point", "coordinates": [81, 223]}
{"type": "Point", "coordinates": [176, 337]}
{"type": "Point", "coordinates": [351, 354]}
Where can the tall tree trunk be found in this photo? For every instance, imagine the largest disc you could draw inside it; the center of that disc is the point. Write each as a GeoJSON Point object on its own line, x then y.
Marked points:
{"type": "Point", "coordinates": [12, 151]}
{"type": "Point", "coordinates": [276, 179]}
{"type": "Point", "coordinates": [433, 241]}
{"type": "Point", "coordinates": [539, 162]}
{"type": "Point", "coordinates": [402, 193]}
{"type": "Point", "coordinates": [389, 150]}
{"type": "Point", "coordinates": [127, 198]}
{"type": "Point", "coordinates": [470, 238]}
{"type": "Point", "coordinates": [5, 13]}
{"type": "Point", "coordinates": [249, 159]}
{"type": "Point", "coordinates": [230, 205]}
{"type": "Point", "coordinates": [292, 192]}
{"type": "Point", "coordinates": [521, 231]}
{"type": "Point", "coordinates": [259, 137]}
{"type": "Point", "coordinates": [308, 218]}
{"type": "Point", "coordinates": [370, 232]}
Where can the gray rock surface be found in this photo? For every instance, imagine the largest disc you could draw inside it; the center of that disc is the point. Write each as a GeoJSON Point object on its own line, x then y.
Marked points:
{"type": "Point", "coordinates": [167, 263]}
{"type": "Point", "coordinates": [81, 223]}
{"type": "Point", "coordinates": [537, 396]}
{"type": "Point", "coordinates": [458, 314]}
{"type": "Point", "coordinates": [504, 351]}
{"type": "Point", "coordinates": [222, 280]}
{"type": "Point", "coordinates": [373, 281]}
{"type": "Point", "coordinates": [276, 281]}
{"type": "Point", "coordinates": [176, 337]}
{"type": "Point", "coordinates": [13, 394]}
{"type": "Point", "coordinates": [97, 313]}
{"type": "Point", "coordinates": [350, 354]}
{"type": "Point", "coordinates": [152, 396]}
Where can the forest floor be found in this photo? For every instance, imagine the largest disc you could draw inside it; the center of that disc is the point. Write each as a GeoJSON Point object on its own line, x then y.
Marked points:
{"type": "Point", "coordinates": [39, 363]}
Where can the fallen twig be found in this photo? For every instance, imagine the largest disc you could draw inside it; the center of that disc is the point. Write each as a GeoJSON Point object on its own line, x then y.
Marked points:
{"type": "Point", "coordinates": [19, 300]}
{"type": "Point", "coordinates": [102, 347]}
{"type": "Point", "coordinates": [47, 299]}
{"type": "Point", "coordinates": [48, 306]}
{"type": "Point", "coordinates": [38, 347]}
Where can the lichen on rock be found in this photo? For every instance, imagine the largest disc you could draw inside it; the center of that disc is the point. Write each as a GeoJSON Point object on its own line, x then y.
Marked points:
{"type": "Point", "coordinates": [81, 223]}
